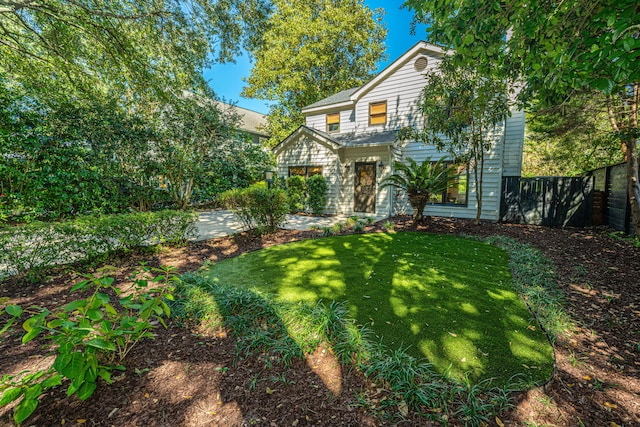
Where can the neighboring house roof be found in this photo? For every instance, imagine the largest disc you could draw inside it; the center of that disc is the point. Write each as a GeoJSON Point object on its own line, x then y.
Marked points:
{"type": "Point", "coordinates": [250, 121]}
{"type": "Point", "coordinates": [349, 97]}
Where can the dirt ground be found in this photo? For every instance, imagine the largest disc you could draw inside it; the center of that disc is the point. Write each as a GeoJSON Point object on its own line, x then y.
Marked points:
{"type": "Point", "coordinates": [183, 378]}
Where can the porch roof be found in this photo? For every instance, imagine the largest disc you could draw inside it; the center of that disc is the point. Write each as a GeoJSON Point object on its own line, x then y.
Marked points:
{"type": "Point", "coordinates": [366, 139]}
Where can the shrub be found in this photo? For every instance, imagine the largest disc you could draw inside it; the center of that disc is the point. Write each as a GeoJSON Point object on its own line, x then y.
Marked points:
{"type": "Point", "coordinates": [296, 193]}
{"type": "Point", "coordinates": [259, 209]}
{"type": "Point", "coordinates": [90, 336]}
{"type": "Point", "coordinates": [317, 189]}
{"type": "Point", "coordinates": [41, 245]}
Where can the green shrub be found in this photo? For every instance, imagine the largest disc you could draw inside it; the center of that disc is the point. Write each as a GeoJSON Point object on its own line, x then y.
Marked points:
{"type": "Point", "coordinates": [296, 193]}
{"type": "Point", "coordinates": [259, 209]}
{"type": "Point", "coordinates": [90, 336]}
{"type": "Point", "coordinates": [41, 245]}
{"type": "Point", "coordinates": [317, 189]}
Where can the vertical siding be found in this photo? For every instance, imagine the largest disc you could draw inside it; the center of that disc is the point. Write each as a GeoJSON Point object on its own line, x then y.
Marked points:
{"type": "Point", "coordinates": [309, 152]}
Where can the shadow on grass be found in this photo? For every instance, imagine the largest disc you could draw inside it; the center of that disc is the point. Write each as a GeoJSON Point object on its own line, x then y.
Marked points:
{"type": "Point", "coordinates": [444, 298]}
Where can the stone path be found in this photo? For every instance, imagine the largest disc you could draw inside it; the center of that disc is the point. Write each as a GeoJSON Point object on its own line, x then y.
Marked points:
{"type": "Point", "coordinates": [219, 223]}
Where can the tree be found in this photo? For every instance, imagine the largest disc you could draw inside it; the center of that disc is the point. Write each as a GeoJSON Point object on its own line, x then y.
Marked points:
{"type": "Point", "coordinates": [462, 109]}
{"type": "Point", "coordinates": [138, 47]}
{"type": "Point", "coordinates": [556, 48]}
{"type": "Point", "coordinates": [420, 182]}
{"type": "Point", "coordinates": [189, 131]}
{"type": "Point", "coordinates": [570, 138]}
{"type": "Point", "coordinates": [310, 50]}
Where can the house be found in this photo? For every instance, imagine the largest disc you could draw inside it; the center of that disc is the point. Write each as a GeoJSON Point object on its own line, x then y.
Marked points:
{"type": "Point", "coordinates": [350, 138]}
{"type": "Point", "coordinates": [250, 123]}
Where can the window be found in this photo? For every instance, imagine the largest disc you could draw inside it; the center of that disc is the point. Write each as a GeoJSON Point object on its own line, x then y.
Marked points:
{"type": "Point", "coordinates": [378, 113]}
{"type": "Point", "coordinates": [305, 171]}
{"type": "Point", "coordinates": [456, 194]}
{"type": "Point", "coordinates": [333, 122]}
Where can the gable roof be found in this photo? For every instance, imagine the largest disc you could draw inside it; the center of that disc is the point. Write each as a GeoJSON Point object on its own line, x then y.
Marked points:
{"type": "Point", "coordinates": [322, 137]}
{"type": "Point", "coordinates": [338, 98]}
{"type": "Point", "coordinates": [349, 97]}
{"type": "Point", "coordinates": [338, 141]}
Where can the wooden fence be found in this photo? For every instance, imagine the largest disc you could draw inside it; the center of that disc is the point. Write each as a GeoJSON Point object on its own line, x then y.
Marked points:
{"type": "Point", "coordinates": [548, 201]}
{"type": "Point", "coordinates": [611, 187]}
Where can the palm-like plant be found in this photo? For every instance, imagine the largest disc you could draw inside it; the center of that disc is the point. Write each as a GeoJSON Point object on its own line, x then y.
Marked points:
{"type": "Point", "coordinates": [420, 182]}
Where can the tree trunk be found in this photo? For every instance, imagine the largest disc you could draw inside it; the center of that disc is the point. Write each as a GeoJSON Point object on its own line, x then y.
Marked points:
{"type": "Point", "coordinates": [624, 121]}
{"type": "Point", "coordinates": [633, 184]}
{"type": "Point", "coordinates": [418, 202]}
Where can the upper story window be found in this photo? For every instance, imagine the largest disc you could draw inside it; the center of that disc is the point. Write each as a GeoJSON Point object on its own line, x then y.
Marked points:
{"type": "Point", "coordinates": [333, 122]}
{"type": "Point", "coordinates": [378, 113]}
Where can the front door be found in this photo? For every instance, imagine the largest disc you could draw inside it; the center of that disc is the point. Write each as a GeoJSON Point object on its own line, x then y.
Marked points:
{"type": "Point", "coordinates": [364, 188]}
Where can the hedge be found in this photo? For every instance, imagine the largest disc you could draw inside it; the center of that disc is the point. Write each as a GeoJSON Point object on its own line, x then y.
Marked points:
{"type": "Point", "coordinates": [259, 209]}
{"type": "Point", "coordinates": [44, 244]}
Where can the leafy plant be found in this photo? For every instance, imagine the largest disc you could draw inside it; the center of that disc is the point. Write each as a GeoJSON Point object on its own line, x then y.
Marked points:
{"type": "Point", "coordinates": [419, 181]}
{"type": "Point", "coordinates": [91, 336]}
{"type": "Point", "coordinates": [41, 245]}
{"type": "Point", "coordinates": [317, 189]}
{"type": "Point", "coordinates": [259, 209]}
{"type": "Point", "coordinates": [296, 188]}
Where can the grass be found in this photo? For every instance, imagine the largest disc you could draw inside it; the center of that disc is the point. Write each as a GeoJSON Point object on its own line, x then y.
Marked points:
{"type": "Point", "coordinates": [278, 332]}
{"type": "Point", "coordinates": [447, 299]}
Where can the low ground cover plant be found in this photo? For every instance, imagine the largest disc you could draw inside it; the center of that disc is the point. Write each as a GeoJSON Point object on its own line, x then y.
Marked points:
{"type": "Point", "coordinates": [39, 245]}
{"type": "Point", "coordinates": [279, 331]}
{"type": "Point", "coordinates": [443, 298]}
{"type": "Point", "coordinates": [90, 336]}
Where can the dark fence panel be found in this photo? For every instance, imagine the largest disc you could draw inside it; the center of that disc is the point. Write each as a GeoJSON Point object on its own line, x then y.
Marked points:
{"type": "Point", "coordinates": [549, 201]}
{"type": "Point", "coordinates": [612, 181]}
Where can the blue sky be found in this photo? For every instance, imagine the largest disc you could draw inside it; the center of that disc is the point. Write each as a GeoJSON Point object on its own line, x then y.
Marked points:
{"type": "Point", "coordinates": [226, 79]}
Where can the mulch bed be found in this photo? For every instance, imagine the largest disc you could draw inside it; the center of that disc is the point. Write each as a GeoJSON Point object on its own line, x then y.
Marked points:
{"type": "Point", "coordinates": [185, 378]}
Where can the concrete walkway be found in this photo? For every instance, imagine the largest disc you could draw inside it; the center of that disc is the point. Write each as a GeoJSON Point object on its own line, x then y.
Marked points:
{"type": "Point", "coordinates": [220, 223]}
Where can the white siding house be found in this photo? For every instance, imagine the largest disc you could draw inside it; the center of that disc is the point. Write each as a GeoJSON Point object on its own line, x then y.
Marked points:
{"type": "Point", "coordinates": [350, 138]}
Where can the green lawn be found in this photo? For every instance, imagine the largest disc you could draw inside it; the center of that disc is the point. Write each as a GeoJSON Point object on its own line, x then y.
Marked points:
{"type": "Point", "coordinates": [449, 299]}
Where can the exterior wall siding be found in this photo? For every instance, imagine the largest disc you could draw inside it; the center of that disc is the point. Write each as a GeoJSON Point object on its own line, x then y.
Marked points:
{"type": "Point", "coordinates": [384, 195]}
{"type": "Point", "coordinates": [492, 182]}
{"type": "Point", "coordinates": [319, 121]}
{"type": "Point", "coordinates": [308, 152]}
{"type": "Point", "coordinates": [402, 91]}
{"type": "Point", "coordinates": [514, 144]}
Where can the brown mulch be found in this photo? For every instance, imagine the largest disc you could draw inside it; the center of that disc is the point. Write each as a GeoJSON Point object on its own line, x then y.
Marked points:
{"type": "Point", "coordinates": [183, 378]}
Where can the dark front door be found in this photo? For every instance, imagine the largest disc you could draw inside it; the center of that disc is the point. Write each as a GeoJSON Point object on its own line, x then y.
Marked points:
{"type": "Point", "coordinates": [365, 188]}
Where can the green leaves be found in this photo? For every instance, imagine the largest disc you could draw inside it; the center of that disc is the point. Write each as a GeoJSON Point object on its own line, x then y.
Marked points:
{"type": "Point", "coordinates": [85, 331]}
{"type": "Point", "coordinates": [311, 50]}
{"type": "Point", "coordinates": [13, 310]}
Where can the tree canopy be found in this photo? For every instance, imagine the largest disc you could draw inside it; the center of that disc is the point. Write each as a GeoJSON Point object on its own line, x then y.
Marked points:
{"type": "Point", "coordinates": [123, 45]}
{"type": "Point", "coordinates": [556, 48]}
{"type": "Point", "coordinates": [570, 138]}
{"type": "Point", "coordinates": [310, 50]}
